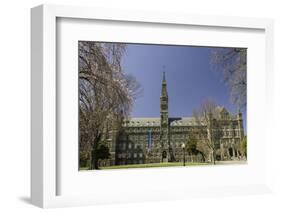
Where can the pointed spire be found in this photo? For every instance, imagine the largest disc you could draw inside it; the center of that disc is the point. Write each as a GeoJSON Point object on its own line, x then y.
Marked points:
{"type": "Point", "coordinates": [164, 77]}
{"type": "Point", "coordinates": [239, 114]}
{"type": "Point", "coordinates": [239, 110]}
{"type": "Point", "coordinates": [164, 86]}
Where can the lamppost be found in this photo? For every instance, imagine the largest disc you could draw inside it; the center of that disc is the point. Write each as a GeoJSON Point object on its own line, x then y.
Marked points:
{"type": "Point", "coordinates": [183, 147]}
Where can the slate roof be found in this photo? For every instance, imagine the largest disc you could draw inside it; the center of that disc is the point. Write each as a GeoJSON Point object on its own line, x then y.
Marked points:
{"type": "Point", "coordinates": [155, 122]}
{"type": "Point", "coordinates": [141, 122]}
{"type": "Point", "coordinates": [183, 121]}
{"type": "Point", "coordinates": [174, 121]}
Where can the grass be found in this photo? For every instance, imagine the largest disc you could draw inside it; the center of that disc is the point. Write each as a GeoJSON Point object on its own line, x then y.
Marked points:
{"type": "Point", "coordinates": [150, 165]}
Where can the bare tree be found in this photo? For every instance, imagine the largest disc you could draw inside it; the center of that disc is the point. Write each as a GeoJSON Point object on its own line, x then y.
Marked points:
{"type": "Point", "coordinates": [233, 63]}
{"type": "Point", "coordinates": [204, 117]}
{"type": "Point", "coordinates": [106, 94]}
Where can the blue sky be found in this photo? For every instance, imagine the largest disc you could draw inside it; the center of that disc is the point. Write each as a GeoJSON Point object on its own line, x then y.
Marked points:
{"type": "Point", "coordinates": [189, 74]}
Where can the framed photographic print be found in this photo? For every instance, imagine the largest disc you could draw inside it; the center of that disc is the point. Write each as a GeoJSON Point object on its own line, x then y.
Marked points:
{"type": "Point", "coordinates": [148, 105]}
{"type": "Point", "coordinates": [111, 138]}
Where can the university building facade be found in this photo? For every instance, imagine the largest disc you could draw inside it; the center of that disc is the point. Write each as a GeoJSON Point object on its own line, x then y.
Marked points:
{"type": "Point", "coordinates": [154, 140]}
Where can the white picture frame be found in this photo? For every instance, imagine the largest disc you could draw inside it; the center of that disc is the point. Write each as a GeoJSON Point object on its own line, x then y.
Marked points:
{"type": "Point", "coordinates": [44, 154]}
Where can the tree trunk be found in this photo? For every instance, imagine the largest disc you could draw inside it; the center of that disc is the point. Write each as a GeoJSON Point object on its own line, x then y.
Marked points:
{"type": "Point", "coordinates": [214, 157]}
{"type": "Point", "coordinates": [94, 161]}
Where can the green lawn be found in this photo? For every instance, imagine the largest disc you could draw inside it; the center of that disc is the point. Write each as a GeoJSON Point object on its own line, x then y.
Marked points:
{"type": "Point", "coordinates": [151, 165]}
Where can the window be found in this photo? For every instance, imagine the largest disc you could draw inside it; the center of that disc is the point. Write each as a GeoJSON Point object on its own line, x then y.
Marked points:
{"type": "Point", "coordinates": [120, 146]}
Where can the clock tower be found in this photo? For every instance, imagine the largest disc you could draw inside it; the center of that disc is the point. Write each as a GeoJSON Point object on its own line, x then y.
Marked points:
{"type": "Point", "coordinates": [164, 121]}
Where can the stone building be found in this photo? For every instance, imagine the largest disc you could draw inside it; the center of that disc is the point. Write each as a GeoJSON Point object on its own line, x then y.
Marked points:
{"type": "Point", "coordinates": [154, 140]}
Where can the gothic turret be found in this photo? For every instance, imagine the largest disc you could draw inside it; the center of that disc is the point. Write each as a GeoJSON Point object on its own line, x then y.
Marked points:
{"type": "Point", "coordinates": [240, 124]}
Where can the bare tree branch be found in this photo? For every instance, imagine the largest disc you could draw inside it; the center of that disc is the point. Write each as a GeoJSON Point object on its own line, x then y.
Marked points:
{"type": "Point", "coordinates": [233, 63]}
